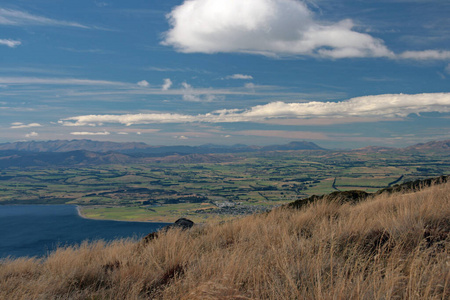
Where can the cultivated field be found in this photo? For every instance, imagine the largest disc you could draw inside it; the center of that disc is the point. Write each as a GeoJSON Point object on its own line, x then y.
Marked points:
{"type": "Point", "coordinates": [246, 183]}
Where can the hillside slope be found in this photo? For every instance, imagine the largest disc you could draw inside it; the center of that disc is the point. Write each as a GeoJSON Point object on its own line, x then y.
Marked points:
{"type": "Point", "coordinates": [393, 246]}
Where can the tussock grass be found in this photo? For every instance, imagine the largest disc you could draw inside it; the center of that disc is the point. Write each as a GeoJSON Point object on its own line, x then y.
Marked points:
{"type": "Point", "coordinates": [390, 247]}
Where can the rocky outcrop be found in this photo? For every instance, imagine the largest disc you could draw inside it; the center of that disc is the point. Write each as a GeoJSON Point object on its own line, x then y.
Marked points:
{"type": "Point", "coordinates": [182, 223]}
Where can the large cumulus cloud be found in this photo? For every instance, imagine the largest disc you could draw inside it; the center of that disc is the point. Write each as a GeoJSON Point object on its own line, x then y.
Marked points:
{"type": "Point", "coordinates": [268, 27]}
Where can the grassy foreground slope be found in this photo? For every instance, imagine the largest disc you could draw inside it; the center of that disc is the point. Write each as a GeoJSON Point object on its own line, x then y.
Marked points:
{"type": "Point", "coordinates": [394, 246]}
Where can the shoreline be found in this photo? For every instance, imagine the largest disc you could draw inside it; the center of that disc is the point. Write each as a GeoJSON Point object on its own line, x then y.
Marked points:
{"type": "Point", "coordinates": [79, 208]}
{"type": "Point", "coordinates": [163, 219]}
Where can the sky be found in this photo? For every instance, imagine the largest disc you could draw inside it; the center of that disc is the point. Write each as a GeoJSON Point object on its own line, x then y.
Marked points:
{"type": "Point", "coordinates": [341, 74]}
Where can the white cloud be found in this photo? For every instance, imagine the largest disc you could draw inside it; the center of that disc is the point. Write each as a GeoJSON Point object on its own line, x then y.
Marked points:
{"type": "Point", "coordinates": [185, 69]}
{"type": "Point", "coordinates": [181, 137]}
{"type": "Point", "coordinates": [55, 81]}
{"type": "Point", "coordinates": [186, 86]}
{"type": "Point", "coordinates": [16, 125]}
{"type": "Point", "coordinates": [20, 18]}
{"type": "Point", "coordinates": [27, 70]}
{"type": "Point", "coordinates": [104, 90]}
{"type": "Point", "coordinates": [143, 83]}
{"type": "Point", "coordinates": [239, 76]}
{"type": "Point", "coordinates": [98, 51]}
{"type": "Point", "coordinates": [384, 106]}
{"type": "Point", "coordinates": [250, 86]}
{"type": "Point", "coordinates": [167, 84]}
{"type": "Point", "coordinates": [10, 43]}
{"type": "Point", "coordinates": [157, 69]}
{"type": "Point", "coordinates": [101, 4]}
{"type": "Point", "coordinates": [426, 55]}
{"type": "Point", "coordinates": [301, 135]}
{"type": "Point", "coordinates": [90, 133]}
{"type": "Point", "coordinates": [191, 95]}
{"type": "Point", "coordinates": [267, 27]}
{"type": "Point", "coordinates": [32, 134]}
{"type": "Point", "coordinates": [272, 28]}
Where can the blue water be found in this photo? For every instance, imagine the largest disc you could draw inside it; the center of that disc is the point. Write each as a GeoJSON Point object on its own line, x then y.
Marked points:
{"type": "Point", "coordinates": [36, 230]}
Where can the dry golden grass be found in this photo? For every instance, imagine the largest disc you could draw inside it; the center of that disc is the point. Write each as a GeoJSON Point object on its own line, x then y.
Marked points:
{"type": "Point", "coordinates": [390, 247]}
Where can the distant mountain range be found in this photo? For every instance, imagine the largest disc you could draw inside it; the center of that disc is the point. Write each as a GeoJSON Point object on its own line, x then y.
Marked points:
{"type": "Point", "coordinates": [434, 145]}
{"type": "Point", "coordinates": [142, 148]}
{"type": "Point", "coordinates": [14, 158]}
{"type": "Point", "coordinates": [87, 152]}
{"type": "Point", "coordinates": [73, 145]}
{"type": "Point", "coordinates": [430, 146]}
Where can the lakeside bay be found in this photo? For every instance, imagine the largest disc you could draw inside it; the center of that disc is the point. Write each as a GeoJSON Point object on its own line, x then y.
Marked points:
{"type": "Point", "coordinates": [36, 230]}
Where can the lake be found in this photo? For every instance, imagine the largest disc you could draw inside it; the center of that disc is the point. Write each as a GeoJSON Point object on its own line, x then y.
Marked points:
{"type": "Point", "coordinates": [34, 230]}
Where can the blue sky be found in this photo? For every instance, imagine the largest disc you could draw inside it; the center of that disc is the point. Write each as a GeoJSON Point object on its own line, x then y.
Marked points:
{"type": "Point", "coordinates": [341, 74]}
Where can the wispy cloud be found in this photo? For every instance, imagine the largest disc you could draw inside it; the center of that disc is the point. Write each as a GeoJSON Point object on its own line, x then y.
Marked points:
{"type": "Point", "coordinates": [385, 106]}
{"type": "Point", "coordinates": [426, 55]}
{"type": "Point", "coordinates": [300, 135]}
{"type": "Point", "coordinates": [10, 43]}
{"type": "Point", "coordinates": [104, 90]}
{"type": "Point", "coordinates": [55, 81]}
{"type": "Point", "coordinates": [20, 18]}
{"type": "Point", "coordinates": [239, 76]}
{"type": "Point", "coordinates": [180, 137]}
{"type": "Point", "coordinates": [251, 86]}
{"type": "Point", "coordinates": [17, 125]}
{"type": "Point", "coordinates": [90, 133]}
{"type": "Point", "coordinates": [31, 70]}
{"type": "Point", "coordinates": [96, 51]}
{"type": "Point", "coordinates": [101, 4]}
{"type": "Point", "coordinates": [327, 121]}
{"type": "Point", "coordinates": [165, 69]}
{"type": "Point", "coordinates": [158, 69]}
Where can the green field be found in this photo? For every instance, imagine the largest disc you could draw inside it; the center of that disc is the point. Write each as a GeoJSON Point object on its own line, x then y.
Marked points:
{"type": "Point", "coordinates": [166, 191]}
